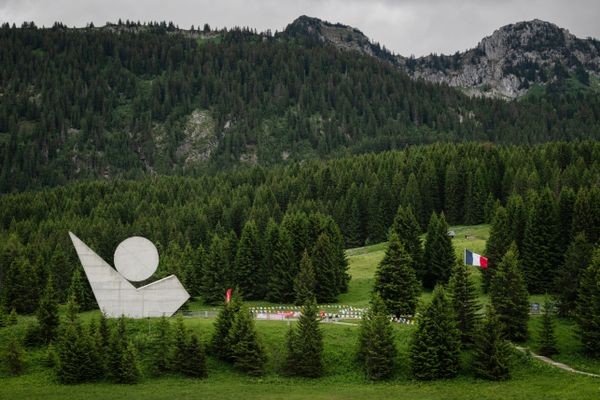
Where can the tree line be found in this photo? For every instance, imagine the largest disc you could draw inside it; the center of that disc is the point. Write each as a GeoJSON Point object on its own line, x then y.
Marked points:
{"type": "Point", "coordinates": [199, 224]}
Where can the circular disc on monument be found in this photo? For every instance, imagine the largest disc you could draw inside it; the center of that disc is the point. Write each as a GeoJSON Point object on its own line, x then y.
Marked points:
{"type": "Point", "coordinates": [136, 258]}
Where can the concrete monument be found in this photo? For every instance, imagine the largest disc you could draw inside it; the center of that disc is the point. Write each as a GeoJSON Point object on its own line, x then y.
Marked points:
{"type": "Point", "coordinates": [136, 259]}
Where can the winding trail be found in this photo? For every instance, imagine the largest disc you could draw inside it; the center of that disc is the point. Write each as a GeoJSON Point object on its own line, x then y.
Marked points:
{"type": "Point", "coordinates": [556, 364]}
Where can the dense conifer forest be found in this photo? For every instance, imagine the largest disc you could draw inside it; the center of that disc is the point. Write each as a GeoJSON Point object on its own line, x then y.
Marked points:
{"type": "Point", "coordinates": [127, 100]}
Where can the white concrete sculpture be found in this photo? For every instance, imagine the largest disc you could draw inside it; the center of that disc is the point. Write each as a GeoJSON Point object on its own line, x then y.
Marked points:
{"type": "Point", "coordinates": [136, 259]}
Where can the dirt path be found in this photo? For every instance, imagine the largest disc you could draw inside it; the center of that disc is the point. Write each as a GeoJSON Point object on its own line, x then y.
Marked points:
{"type": "Point", "coordinates": [556, 364]}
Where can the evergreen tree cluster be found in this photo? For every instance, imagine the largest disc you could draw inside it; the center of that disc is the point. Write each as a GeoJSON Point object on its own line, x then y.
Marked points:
{"type": "Point", "coordinates": [117, 100]}
{"type": "Point", "coordinates": [185, 216]}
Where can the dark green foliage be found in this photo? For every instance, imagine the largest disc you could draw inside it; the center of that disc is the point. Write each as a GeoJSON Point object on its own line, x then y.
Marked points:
{"type": "Point", "coordinates": [475, 197]}
{"type": "Point", "coordinates": [47, 314]}
{"type": "Point", "coordinates": [279, 260]}
{"type": "Point", "coordinates": [305, 344]}
{"type": "Point", "coordinates": [129, 372]}
{"type": "Point", "coordinates": [396, 281]}
{"type": "Point", "coordinates": [463, 298]}
{"type": "Point", "coordinates": [12, 317]}
{"type": "Point", "coordinates": [249, 273]}
{"type": "Point", "coordinates": [517, 219]}
{"type": "Point", "coordinates": [161, 349]}
{"type": "Point", "coordinates": [408, 230]}
{"type": "Point", "coordinates": [188, 354]}
{"type": "Point", "coordinates": [220, 345]}
{"type": "Point", "coordinates": [501, 236]}
{"type": "Point", "coordinates": [547, 338]}
{"type": "Point", "coordinates": [576, 260]}
{"type": "Point", "coordinates": [586, 213]}
{"type": "Point", "coordinates": [323, 259]}
{"type": "Point", "coordinates": [566, 204]}
{"type": "Point", "coordinates": [13, 356]}
{"type": "Point", "coordinates": [588, 306]}
{"type": "Point", "coordinates": [492, 352]}
{"type": "Point", "coordinates": [247, 352]}
{"type": "Point", "coordinates": [439, 253]}
{"type": "Point", "coordinates": [455, 194]}
{"type": "Point", "coordinates": [376, 348]}
{"type": "Point", "coordinates": [305, 281]}
{"type": "Point", "coordinates": [435, 346]}
{"type": "Point", "coordinates": [78, 357]}
{"type": "Point", "coordinates": [195, 363]}
{"type": "Point", "coordinates": [509, 297]}
{"type": "Point", "coordinates": [215, 273]}
{"type": "Point", "coordinates": [540, 255]}
{"type": "Point", "coordinates": [81, 293]}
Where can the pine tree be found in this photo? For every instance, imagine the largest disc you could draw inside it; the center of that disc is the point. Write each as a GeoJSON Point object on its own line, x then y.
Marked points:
{"type": "Point", "coordinates": [376, 348]}
{"type": "Point", "coordinates": [547, 338]}
{"type": "Point", "coordinates": [305, 282]}
{"type": "Point", "coordinates": [117, 347]}
{"type": "Point", "coordinates": [408, 229]}
{"type": "Point", "coordinates": [576, 260]}
{"type": "Point", "coordinates": [247, 352]}
{"type": "Point", "coordinates": [435, 347]}
{"type": "Point", "coordinates": [180, 346]}
{"type": "Point", "coordinates": [305, 344]}
{"type": "Point", "coordinates": [463, 297]}
{"type": "Point", "coordinates": [195, 363]}
{"type": "Point", "coordinates": [540, 255]}
{"type": "Point", "coordinates": [129, 372]}
{"type": "Point", "coordinates": [219, 345]}
{"type": "Point", "coordinates": [14, 356]}
{"type": "Point", "coordinates": [501, 234]}
{"type": "Point", "coordinates": [249, 271]}
{"type": "Point", "coordinates": [161, 362]}
{"type": "Point", "coordinates": [47, 314]}
{"type": "Point", "coordinates": [395, 279]}
{"type": "Point", "coordinates": [454, 196]}
{"type": "Point", "coordinates": [78, 290]}
{"type": "Point", "coordinates": [12, 317]}
{"type": "Point", "coordinates": [517, 219]}
{"type": "Point", "coordinates": [214, 275]}
{"type": "Point", "coordinates": [439, 252]}
{"type": "Point", "coordinates": [588, 306]}
{"type": "Point", "coordinates": [282, 266]}
{"type": "Point", "coordinates": [475, 192]}
{"type": "Point", "coordinates": [492, 352]}
{"type": "Point", "coordinates": [509, 297]}
{"type": "Point", "coordinates": [323, 259]}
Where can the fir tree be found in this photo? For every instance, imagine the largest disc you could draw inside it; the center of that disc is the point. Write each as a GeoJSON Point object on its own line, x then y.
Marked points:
{"type": "Point", "coordinates": [492, 352]}
{"type": "Point", "coordinates": [180, 346]}
{"type": "Point", "coordinates": [161, 362]}
{"type": "Point", "coordinates": [376, 348]}
{"type": "Point", "coordinates": [509, 297]}
{"type": "Point", "coordinates": [305, 344]}
{"type": "Point", "coordinates": [407, 228]}
{"type": "Point", "coordinates": [47, 314]}
{"type": "Point", "coordinates": [501, 234]}
{"type": "Point", "coordinates": [12, 317]}
{"type": "Point", "coordinates": [305, 282]}
{"type": "Point", "coordinates": [117, 347]}
{"type": "Point", "coordinates": [454, 196]}
{"type": "Point", "coordinates": [517, 219]}
{"type": "Point", "coordinates": [280, 260]}
{"type": "Point", "coordinates": [249, 269]}
{"type": "Point", "coordinates": [247, 352]}
{"type": "Point", "coordinates": [214, 274]}
{"type": "Point", "coordinates": [78, 290]}
{"type": "Point", "coordinates": [435, 347]}
{"type": "Point", "coordinates": [219, 345]}
{"type": "Point", "coordinates": [395, 279]}
{"type": "Point", "coordinates": [195, 363]}
{"type": "Point", "coordinates": [129, 372]}
{"type": "Point", "coordinates": [324, 264]}
{"type": "Point", "coordinates": [588, 306]}
{"type": "Point", "coordinates": [463, 297]}
{"type": "Point", "coordinates": [439, 252]}
{"type": "Point", "coordinates": [14, 356]}
{"type": "Point", "coordinates": [540, 254]}
{"type": "Point", "coordinates": [546, 335]}
{"type": "Point", "coordinates": [102, 334]}
{"type": "Point", "coordinates": [576, 260]}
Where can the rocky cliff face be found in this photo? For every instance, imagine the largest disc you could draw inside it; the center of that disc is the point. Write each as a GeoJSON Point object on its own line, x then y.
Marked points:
{"type": "Point", "coordinates": [505, 64]}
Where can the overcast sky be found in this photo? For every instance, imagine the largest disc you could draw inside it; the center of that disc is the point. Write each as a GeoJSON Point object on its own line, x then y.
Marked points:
{"type": "Point", "coordinates": [403, 26]}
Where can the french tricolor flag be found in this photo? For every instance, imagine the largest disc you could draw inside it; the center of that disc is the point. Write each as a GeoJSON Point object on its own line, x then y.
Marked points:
{"type": "Point", "coordinates": [475, 259]}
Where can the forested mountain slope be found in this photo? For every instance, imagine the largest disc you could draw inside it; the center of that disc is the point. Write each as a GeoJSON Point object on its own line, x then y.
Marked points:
{"type": "Point", "coordinates": [131, 100]}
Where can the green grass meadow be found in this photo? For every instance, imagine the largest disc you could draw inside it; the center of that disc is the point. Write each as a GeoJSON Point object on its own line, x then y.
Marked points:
{"type": "Point", "coordinates": [343, 378]}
